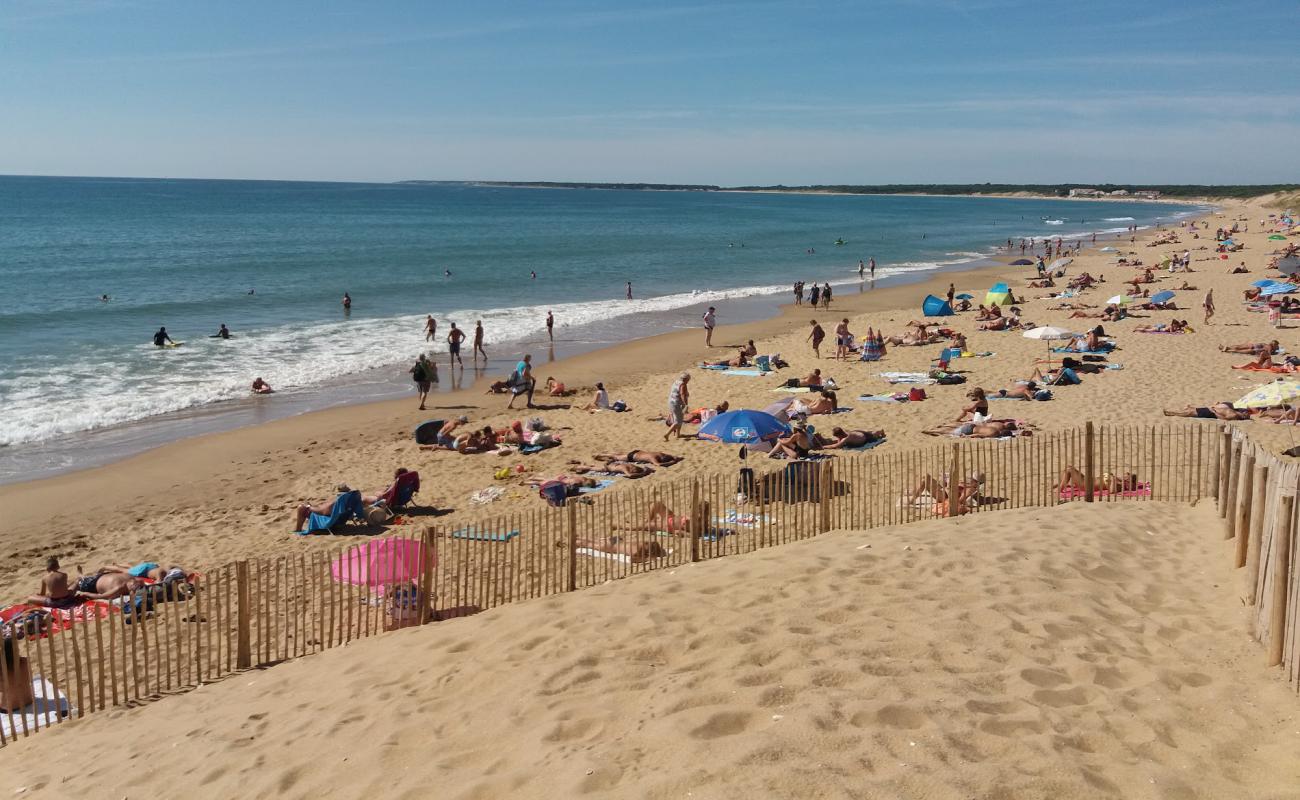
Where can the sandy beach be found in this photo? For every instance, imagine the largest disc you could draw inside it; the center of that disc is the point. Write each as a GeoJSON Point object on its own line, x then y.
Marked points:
{"type": "Point", "coordinates": [1081, 652]}
{"type": "Point", "coordinates": [211, 499]}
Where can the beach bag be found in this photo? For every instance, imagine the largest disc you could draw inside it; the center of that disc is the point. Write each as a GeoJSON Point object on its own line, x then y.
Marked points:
{"type": "Point", "coordinates": [792, 383]}
{"type": "Point", "coordinates": [553, 492]}
{"type": "Point", "coordinates": [618, 405]}
{"type": "Point", "coordinates": [915, 394]}
{"type": "Point", "coordinates": [378, 515]}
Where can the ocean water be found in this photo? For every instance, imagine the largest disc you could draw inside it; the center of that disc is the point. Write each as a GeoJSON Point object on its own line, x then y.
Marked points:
{"type": "Point", "coordinates": [271, 260]}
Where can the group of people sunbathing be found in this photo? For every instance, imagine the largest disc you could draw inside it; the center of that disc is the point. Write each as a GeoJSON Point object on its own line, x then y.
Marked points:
{"type": "Point", "coordinates": [106, 583]}
{"type": "Point", "coordinates": [800, 442]}
{"type": "Point", "coordinates": [488, 439]}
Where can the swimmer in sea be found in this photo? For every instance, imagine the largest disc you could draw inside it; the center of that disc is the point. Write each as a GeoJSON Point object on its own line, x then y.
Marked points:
{"type": "Point", "coordinates": [103, 298]}
{"type": "Point", "coordinates": [261, 387]}
{"type": "Point", "coordinates": [161, 338]}
{"type": "Point", "coordinates": [223, 333]}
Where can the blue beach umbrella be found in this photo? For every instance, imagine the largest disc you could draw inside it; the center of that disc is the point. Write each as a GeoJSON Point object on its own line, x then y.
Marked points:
{"type": "Point", "coordinates": [743, 427]}
{"type": "Point", "coordinates": [1022, 262]}
{"type": "Point", "coordinates": [1162, 297]}
{"type": "Point", "coordinates": [1263, 283]}
{"type": "Point", "coordinates": [1278, 288]}
{"type": "Point", "coordinates": [1228, 242]}
{"type": "Point", "coordinates": [965, 296]}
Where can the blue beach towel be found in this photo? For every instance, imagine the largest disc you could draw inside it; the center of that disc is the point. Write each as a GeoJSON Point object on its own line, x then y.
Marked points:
{"type": "Point", "coordinates": [346, 507]}
{"type": "Point", "coordinates": [748, 373]}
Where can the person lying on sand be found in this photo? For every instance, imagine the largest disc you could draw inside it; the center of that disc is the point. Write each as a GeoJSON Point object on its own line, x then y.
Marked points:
{"type": "Point", "coordinates": [146, 569]}
{"type": "Point", "coordinates": [55, 592]}
{"type": "Point", "coordinates": [637, 552]}
{"type": "Point", "coordinates": [555, 388]}
{"type": "Point", "coordinates": [825, 402]}
{"type": "Point", "coordinates": [571, 482]}
{"type": "Point", "coordinates": [106, 585]}
{"type": "Point", "coordinates": [841, 438]}
{"type": "Point", "coordinates": [813, 380]}
{"type": "Point", "coordinates": [498, 387]}
{"type": "Point", "coordinates": [968, 492]}
{"type": "Point", "coordinates": [639, 457]}
{"type": "Point", "coordinates": [1028, 390]}
{"type": "Point", "coordinates": [1174, 326]}
{"type": "Point", "coordinates": [628, 470]}
{"type": "Point", "coordinates": [993, 429]}
{"type": "Point", "coordinates": [1251, 348]}
{"type": "Point", "coordinates": [1223, 411]}
{"type": "Point", "coordinates": [661, 518]}
{"type": "Point", "coordinates": [1000, 324]}
{"type": "Point", "coordinates": [1072, 478]}
{"type": "Point", "coordinates": [738, 360]}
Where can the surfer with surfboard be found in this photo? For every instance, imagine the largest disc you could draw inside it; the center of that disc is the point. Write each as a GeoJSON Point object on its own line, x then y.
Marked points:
{"type": "Point", "coordinates": [161, 339]}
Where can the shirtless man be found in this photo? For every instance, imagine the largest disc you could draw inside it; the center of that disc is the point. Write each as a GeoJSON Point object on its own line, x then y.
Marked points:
{"type": "Point", "coordinates": [849, 439]}
{"type": "Point", "coordinates": [1072, 478]}
{"type": "Point", "coordinates": [813, 380]}
{"type": "Point", "coordinates": [1252, 348]}
{"type": "Point", "coordinates": [106, 585]}
{"type": "Point", "coordinates": [1223, 411]}
{"type": "Point", "coordinates": [842, 339]}
{"type": "Point", "coordinates": [628, 470]}
{"type": "Point", "coordinates": [639, 457]}
{"type": "Point", "coordinates": [478, 341]}
{"type": "Point", "coordinates": [454, 337]}
{"type": "Point", "coordinates": [55, 591]}
{"type": "Point", "coordinates": [430, 328]}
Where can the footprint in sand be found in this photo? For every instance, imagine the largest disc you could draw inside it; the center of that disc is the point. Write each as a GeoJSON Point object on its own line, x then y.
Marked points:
{"type": "Point", "coordinates": [724, 723]}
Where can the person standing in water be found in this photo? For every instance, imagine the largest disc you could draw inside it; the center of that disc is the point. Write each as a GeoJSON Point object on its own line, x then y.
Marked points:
{"type": "Point", "coordinates": [347, 302]}
{"type": "Point", "coordinates": [550, 326]}
{"type": "Point", "coordinates": [710, 319]}
{"type": "Point", "coordinates": [222, 333]}
{"type": "Point", "coordinates": [478, 342]}
{"type": "Point", "coordinates": [862, 269]}
{"type": "Point", "coordinates": [871, 265]}
{"type": "Point", "coordinates": [161, 338]}
{"type": "Point", "coordinates": [454, 337]}
{"type": "Point", "coordinates": [629, 290]}
{"type": "Point", "coordinates": [430, 328]}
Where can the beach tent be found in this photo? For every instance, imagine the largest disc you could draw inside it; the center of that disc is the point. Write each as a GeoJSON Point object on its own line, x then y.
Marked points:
{"type": "Point", "coordinates": [936, 307]}
{"type": "Point", "coordinates": [1022, 262]}
{"type": "Point", "coordinates": [998, 295]}
{"type": "Point", "coordinates": [743, 427]}
{"type": "Point", "coordinates": [1119, 300]}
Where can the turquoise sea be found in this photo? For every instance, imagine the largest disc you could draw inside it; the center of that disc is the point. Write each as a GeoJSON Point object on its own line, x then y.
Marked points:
{"type": "Point", "coordinates": [80, 379]}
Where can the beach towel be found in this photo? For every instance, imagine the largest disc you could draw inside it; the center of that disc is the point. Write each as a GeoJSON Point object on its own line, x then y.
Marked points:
{"type": "Point", "coordinates": [867, 446]}
{"type": "Point", "coordinates": [1105, 348]}
{"type": "Point", "coordinates": [746, 519]}
{"type": "Point", "coordinates": [346, 507]}
{"type": "Point", "coordinates": [402, 490]}
{"type": "Point", "coordinates": [484, 536]}
{"type": "Point", "coordinates": [38, 621]}
{"type": "Point", "coordinates": [1253, 368]}
{"type": "Point", "coordinates": [793, 389]}
{"type": "Point", "coordinates": [907, 377]}
{"type": "Point", "coordinates": [600, 485]}
{"type": "Point", "coordinates": [487, 495]}
{"type": "Point", "coordinates": [622, 558]}
{"type": "Point", "coordinates": [1071, 493]}
{"type": "Point", "coordinates": [870, 351]}
{"type": "Point", "coordinates": [748, 373]}
{"type": "Point", "coordinates": [47, 706]}
{"type": "Point", "coordinates": [884, 398]}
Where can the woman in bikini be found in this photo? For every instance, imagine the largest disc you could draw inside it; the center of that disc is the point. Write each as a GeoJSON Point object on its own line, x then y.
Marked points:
{"type": "Point", "coordinates": [661, 518]}
{"type": "Point", "coordinates": [639, 457]}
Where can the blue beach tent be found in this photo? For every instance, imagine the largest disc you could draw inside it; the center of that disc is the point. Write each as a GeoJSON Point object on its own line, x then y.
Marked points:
{"type": "Point", "coordinates": [936, 307]}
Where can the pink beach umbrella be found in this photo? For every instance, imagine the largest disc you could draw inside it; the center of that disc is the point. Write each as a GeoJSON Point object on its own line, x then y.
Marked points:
{"type": "Point", "coordinates": [382, 562]}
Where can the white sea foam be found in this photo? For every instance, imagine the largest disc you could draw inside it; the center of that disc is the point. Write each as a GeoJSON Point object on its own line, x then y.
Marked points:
{"type": "Point", "coordinates": [1118, 219]}
{"type": "Point", "coordinates": [1053, 222]}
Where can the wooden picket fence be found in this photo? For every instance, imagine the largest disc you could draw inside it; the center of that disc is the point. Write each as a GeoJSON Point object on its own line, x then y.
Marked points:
{"type": "Point", "coordinates": [255, 613]}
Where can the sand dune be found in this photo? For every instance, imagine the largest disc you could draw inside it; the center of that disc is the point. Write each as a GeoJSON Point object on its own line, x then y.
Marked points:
{"type": "Point", "coordinates": [1077, 652]}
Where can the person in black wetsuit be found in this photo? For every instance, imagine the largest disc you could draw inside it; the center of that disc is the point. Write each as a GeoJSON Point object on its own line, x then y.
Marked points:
{"type": "Point", "coordinates": [224, 333]}
{"type": "Point", "coordinates": [161, 338]}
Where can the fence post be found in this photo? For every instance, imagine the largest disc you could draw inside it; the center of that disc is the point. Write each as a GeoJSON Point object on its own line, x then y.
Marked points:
{"type": "Point", "coordinates": [1281, 579]}
{"type": "Point", "coordinates": [954, 481]}
{"type": "Point", "coordinates": [572, 582]}
{"type": "Point", "coordinates": [697, 519]}
{"type": "Point", "coordinates": [1089, 463]}
{"type": "Point", "coordinates": [1244, 510]}
{"type": "Point", "coordinates": [243, 658]}
{"type": "Point", "coordinates": [1225, 468]}
{"type": "Point", "coordinates": [425, 592]}
{"type": "Point", "coordinates": [1229, 509]}
{"type": "Point", "coordinates": [824, 496]}
{"type": "Point", "coordinates": [1214, 467]}
{"type": "Point", "coordinates": [1256, 533]}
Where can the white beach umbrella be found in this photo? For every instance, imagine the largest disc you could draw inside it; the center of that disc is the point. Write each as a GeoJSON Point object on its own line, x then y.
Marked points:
{"type": "Point", "coordinates": [1049, 334]}
{"type": "Point", "coordinates": [1119, 300]}
{"type": "Point", "coordinates": [1061, 263]}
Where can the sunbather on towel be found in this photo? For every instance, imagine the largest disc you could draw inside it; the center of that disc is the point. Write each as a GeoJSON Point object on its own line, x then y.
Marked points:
{"type": "Point", "coordinates": [147, 569]}
{"type": "Point", "coordinates": [1174, 326]}
{"type": "Point", "coordinates": [1072, 478]}
{"type": "Point", "coordinates": [841, 438]}
{"type": "Point", "coordinates": [825, 402]}
{"type": "Point", "coordinates": [1223, 411]}
{"type": "Point", "coordinates": [993, 429]}
{"type": "Point", "coordinates": [637, 552]}
{"type": "Point", "coordinates": [1262, 361]}
{"type": "Point", "coordinates": [1000, 324]}
{"type": "Point", "coordinates": [16, 689]}
{"type": "Point", "coordinates": [106, 585]}
{"type": "Point", "coordinates": [739, 360]}
{"type": "Point", "coordinates": [627, 469]}
{"type": "Point", "coordinates": [968, 492]}
{"type": "Point", "coordinates": [796, 444]}
{"type": "Point", "coordinates": [573, 483]}
{"type": "Point", "coordinates": [324, 509]}
{"type": "Point", "coordinates": [1028, 390]}
{"type": "Point", "coordinates": [639, 457]}
{"type": "Point", "coordinates": [55, 592]}
{"type": "Point", "coordinates": [1252, 348]}
{"type": "Point", "coordinates": [661, 518]}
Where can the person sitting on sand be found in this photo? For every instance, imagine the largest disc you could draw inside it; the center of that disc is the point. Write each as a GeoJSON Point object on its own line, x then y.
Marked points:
{"type": "Point", "coordinates": [324, 509]}
{"type": "Point", "coordinates": [824, 403]}
{"type": "Point", "coordinates": [750, 349]}
{"type": "Point", "coordinates": [1223, 411]}
{"type": "Point", "coordinates": [626, 469]}
{"type": "Point", "coordinates": [55, 591]}
{"type": "Point", "coordinates": [845, 439]}
{"type": "Point", "coordinates": [1072, 478]}
{"type": "Point", "coordinates": [555, 388]}
{"type": "Point", "coordinates": [261, 387]}
{"type": "Point", "coordinates": [794, 445]}
{"type": "Point", "coordinates": [640, 457]}
{"type": "Point", "coordinates": [636, 551]}
{"type": "Point", "coordinates": [1252, 348]}
{"type": "Point", "coordinates": [16, 688]}
{"type": "Point", "coordinates": [661, 518]}
{"type": "Point", "coordinates": [813, 380]}
{"type": "Point", "coordinates": [1261, 362]}
{"type": "Point", "coordinates": [600, 402]}
{"type": "Point", "coordinates": [1000, 324]}
{"type": "Point", "coordinates": [978, 410]}
{"type": "Point", "coordinates": [1251, 294]}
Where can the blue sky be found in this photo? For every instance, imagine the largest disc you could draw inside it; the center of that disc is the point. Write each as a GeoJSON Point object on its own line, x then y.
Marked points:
{"type": "Point", "coordinates": [699, 92]}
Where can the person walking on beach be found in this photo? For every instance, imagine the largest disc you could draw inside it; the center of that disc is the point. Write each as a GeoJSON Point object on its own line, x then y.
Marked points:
{"type": "Point", "coordinates": [454, 337]}
{"type": "Point", "coordinates": [550, 326]}
{"type": "Point", "coordinates": [420, 374]}
{"type": "Point", "coordinates": [814, 294]}
{"type": "Point", "coordinates": [1208, 305]}
{"type": "Point", "coordinates": [478, 342]}
{"type": "Point", "coordinates": [430, 328]}
{"type": "Point", "coordinates": [710, 319]}
{"type": "Point", "coordinates": [678, 396]}
{"type": "Point", "coordinates": [826, 296]}
{"type": "Point", "coordinates": [842, 339]}
{"type": "Point", "coordinates": [522, 381]}
{"type": "Point", "coordinates": [952, 291]}
{"type": "Point", "coordinates": [798, 293]}
{"type": "Point", "coordinates": [347, 302]}
{"type": "Point", "coordinates": [816, 337]}
{"type": "Point", "coordinates": [629, 290]}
